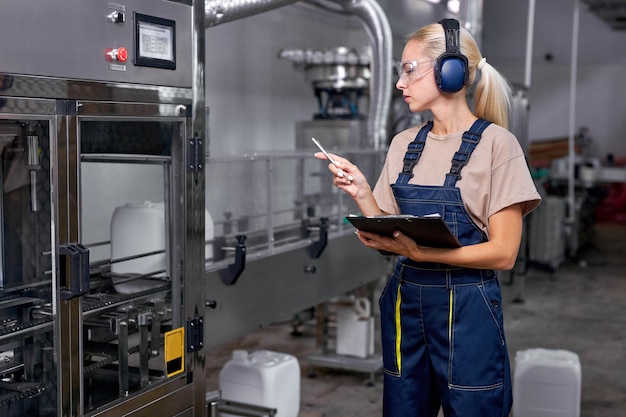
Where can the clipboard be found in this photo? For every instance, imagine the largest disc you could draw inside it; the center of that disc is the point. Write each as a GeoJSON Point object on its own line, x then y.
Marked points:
{"type": "Point", "coordinates": [429, 231]}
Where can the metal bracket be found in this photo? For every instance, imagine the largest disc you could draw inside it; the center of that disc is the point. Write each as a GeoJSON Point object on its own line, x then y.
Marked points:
{"type": "Point", "coordinates": [195, 154]}
{"type": "Point", "coordinates": [195, 334]}
{"type": "Point", "coordinates": [231, 274]}
{"type": "Point", "coordinates": [74, 269]}
{"type": "Point", "coordinates": [316, 248]}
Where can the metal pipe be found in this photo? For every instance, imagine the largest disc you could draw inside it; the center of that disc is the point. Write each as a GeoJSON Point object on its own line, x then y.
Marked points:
{"type": "Point", "coordinates": [379, 32]}
{"type": "Point", "coordinates": [530, 32]}
{"type": "Point", "coordinates": [572, 120]}
{"type": "Point", "coordinates": [219, 11]}
{"type": "Point", "coordinates": [472, 17]}
{"type": "Point", "coordinates": [376, 25]}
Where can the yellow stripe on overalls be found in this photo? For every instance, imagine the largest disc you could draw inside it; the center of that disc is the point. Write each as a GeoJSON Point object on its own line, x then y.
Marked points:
{"type": "Point", "coordinates": [450, 318]}
{"type": "Point", "coordinates": [398, 330]}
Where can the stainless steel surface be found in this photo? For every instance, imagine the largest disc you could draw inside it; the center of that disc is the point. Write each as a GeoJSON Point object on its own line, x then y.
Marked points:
{"type": "Point", "coordinates": [169, 399]}
{"type": "Point", "coordinates": [78, 117]}
{"type": "Point", "coordinates": [219, 12]}
{"type": "Point", "coordinates": [275, 288]}
{"type": "Point", "coordinates": [193, 227]}
{"type": "Point", "coordinates": [471, 14]}
{"type": "Point", "coordinates": [337, 134]}
{"type": "Point", "coordinates": [337, 68]}
{"type": "Point", "coordinates": [26, 87]}
{"type": "Point", "coordinates": [117, 343]}
{"type": "Point", "coordinates": [77, 33]}
{"type": "Point", "coordinates": [518, 116]}
{"type": "Point", "coordinates": [241, 409]}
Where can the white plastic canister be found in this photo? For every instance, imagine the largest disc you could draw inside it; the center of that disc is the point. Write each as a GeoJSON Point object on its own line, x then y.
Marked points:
{"type": "Point", "coordinates": [263, 378]}
{"type": "Point", "coordinates": [137, 229]}
{"type": "Point", "coordinates": [355, 329]}
{"type": "Point", "coordinates": [546, 383]}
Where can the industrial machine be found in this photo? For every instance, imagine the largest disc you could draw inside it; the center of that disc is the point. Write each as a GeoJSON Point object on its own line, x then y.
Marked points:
{"type": "Point", "coordinates": [96, 154]}
{"type": "Point", "coordinates": [124, 255]}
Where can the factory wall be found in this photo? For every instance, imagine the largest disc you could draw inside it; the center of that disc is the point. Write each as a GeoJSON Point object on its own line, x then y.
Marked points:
{"type": "Point", "coordinates": [601, 67]}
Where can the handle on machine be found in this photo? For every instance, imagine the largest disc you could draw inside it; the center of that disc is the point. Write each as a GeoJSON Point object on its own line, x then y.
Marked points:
{"type": "Point", "coordinates": [74, 269]}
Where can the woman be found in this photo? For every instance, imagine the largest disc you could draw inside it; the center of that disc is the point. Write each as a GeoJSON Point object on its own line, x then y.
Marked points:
{"type": "Point", "coordinates": [441, 318]}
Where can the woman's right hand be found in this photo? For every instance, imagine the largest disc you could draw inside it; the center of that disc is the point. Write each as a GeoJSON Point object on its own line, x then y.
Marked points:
{"type": "Point", "coordinates": [347, 177]}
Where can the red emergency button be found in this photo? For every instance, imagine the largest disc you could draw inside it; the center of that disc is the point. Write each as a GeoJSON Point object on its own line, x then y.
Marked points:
{"type": "Point", "coordinates": [120, 54]}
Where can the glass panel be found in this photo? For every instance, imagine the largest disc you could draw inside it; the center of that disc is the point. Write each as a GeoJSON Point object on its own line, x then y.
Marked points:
{"type": "Point", "coordinates": [125, 177]}
{"type": "Point", "coordinates": [27, 361]}
{"type": "Point", "coordinates": [276, 200]}
{"type": "Point", "coordinates": [237, 203]}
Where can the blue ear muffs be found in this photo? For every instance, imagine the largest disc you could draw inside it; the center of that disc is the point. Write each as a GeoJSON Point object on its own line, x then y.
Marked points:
{"type": "Point", "coordinates": [451, 72]}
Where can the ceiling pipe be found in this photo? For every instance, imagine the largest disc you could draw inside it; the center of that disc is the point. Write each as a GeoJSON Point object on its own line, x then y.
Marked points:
{"type": "Point", "coordinates": [378, 30]}
{"type": "Point", "coordinates": [223, 11]}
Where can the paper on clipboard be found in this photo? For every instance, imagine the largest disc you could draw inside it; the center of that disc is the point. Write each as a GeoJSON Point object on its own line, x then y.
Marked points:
{"type": "Point", "coordinates": [429, 231]}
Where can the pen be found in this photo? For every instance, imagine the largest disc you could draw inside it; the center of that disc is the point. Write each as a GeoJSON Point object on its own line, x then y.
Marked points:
{"type": "Point", "coordinates": [340, 173]}
{"type": "Point", "coordinates": [319, 145]}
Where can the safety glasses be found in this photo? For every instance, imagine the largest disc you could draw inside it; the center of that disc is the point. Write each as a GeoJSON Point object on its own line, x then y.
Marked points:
{"type": "Point", "coordinates": [413, 69]}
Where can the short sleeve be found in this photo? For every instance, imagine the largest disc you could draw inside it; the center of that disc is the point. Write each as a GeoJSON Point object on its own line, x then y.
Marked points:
{"type": "Point", "coordinates": [511, 182]}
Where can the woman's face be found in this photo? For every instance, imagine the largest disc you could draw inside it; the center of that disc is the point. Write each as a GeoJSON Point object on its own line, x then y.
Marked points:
{"type": "Point", "coordinates": [416, 78]}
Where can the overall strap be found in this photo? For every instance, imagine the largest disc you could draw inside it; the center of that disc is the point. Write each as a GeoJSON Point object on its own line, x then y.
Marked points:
{"type": "Point", "coordinates": [462, 156]}
{"type": "Point", "coordinates": [413, 154]}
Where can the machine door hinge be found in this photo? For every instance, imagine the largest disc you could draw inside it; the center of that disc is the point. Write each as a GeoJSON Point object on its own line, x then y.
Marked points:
{"type": "Point", "coordinates": [195, 334]}
{"type": "Point", "coordinates": [195, 154]}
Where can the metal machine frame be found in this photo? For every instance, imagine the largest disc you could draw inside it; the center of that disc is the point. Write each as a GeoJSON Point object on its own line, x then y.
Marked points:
{"type": "Point", "coordinates": [64, 94]}
{"type": "Point", "coordinates": [75, 311]}
{"type": "Point", "coordinates": [75, 299]}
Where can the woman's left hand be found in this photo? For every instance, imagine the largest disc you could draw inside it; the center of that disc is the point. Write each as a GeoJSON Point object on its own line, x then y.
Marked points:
{"type": "Point", "coordinates": [400, 244]}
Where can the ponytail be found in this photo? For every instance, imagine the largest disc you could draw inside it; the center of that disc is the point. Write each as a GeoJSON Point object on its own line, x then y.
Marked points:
{"type": "Point", "coordinates": [492, 95]}
{"type": "Point", "coordinates": [492, 92]}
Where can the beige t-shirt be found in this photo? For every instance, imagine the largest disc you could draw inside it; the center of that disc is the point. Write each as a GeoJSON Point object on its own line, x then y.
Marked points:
{"type": "Point", "coordinates": [495, 177]}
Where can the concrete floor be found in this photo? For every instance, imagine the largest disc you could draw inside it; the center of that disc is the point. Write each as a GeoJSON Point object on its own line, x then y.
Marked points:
{"type": "Point", "coordinates": [579, 307]}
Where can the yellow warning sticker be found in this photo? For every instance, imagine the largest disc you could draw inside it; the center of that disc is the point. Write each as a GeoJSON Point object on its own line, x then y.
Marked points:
{"type": "Point", "coordinates": [174, 351]}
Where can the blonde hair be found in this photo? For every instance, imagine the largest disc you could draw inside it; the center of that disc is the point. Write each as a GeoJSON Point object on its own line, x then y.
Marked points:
{"type": "Point", "coordinates": [492, 92]}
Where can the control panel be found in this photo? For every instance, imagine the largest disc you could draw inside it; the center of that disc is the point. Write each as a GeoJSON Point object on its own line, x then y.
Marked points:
{"type": "Point", "coordinates": [129, 41]}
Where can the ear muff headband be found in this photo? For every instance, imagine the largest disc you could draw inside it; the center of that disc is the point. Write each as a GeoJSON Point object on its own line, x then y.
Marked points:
{"type": "Point", "coordinates": [451, 68]}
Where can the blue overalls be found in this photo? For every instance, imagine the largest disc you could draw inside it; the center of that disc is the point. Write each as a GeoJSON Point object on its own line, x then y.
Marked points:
{"type": "Point", "coordinates": [442, 327]}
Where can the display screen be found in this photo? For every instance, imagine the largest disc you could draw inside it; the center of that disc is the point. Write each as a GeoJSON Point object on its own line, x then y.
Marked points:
{"type": "Point", "coordinates": [155, 42]}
